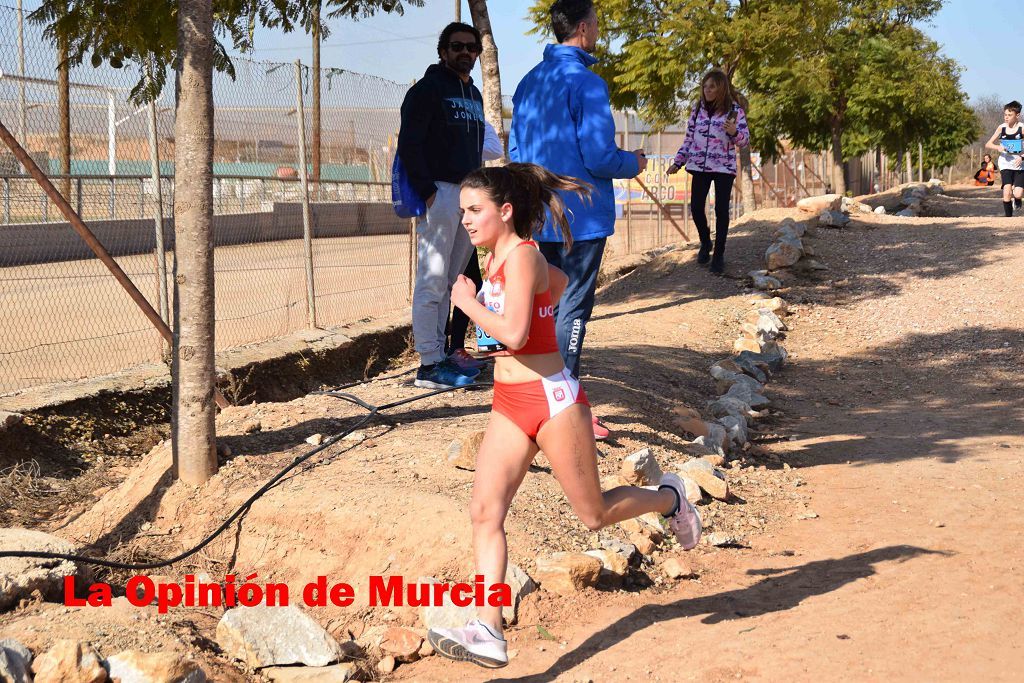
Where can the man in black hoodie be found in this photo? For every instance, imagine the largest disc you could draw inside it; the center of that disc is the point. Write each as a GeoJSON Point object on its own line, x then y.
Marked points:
{"type": "Point", "coordinates": [440, 142]}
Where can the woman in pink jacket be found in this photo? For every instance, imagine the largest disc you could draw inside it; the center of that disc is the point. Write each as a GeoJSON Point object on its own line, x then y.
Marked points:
{"type": "Point", "coordinates": [717, 127]}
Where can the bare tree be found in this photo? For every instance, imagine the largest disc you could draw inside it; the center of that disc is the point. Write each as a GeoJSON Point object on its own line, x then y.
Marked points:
{"type": "Point", "coordinates": [64, 114]}
{"type": "Point", "coordinates": [489, 68]}
{"type": "Point", "coordinates": [194, 411]}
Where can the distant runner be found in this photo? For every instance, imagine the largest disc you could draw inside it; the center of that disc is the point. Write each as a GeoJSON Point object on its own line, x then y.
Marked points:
{"type": "Point", "coordinates": [1010, 138]}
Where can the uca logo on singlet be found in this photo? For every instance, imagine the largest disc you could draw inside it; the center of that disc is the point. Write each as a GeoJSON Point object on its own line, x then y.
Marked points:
{"type": "Point", "coordinates": [559, 394]}
{"type": "Point", "coordinates": [546, 311]}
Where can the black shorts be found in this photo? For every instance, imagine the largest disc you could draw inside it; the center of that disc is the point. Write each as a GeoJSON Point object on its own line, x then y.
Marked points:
{"type": "Point", "coordinates": [1012, 176]}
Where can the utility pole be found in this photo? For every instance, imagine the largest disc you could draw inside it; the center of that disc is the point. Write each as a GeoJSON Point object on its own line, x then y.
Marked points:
{"type": "Point", "coordinates": [458, 9]}
{"type": "Point", "coordinates": [22, 124]}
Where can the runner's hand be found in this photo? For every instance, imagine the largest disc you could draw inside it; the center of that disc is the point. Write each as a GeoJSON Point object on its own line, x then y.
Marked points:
{"type": "Point", "coordinates": [463, 291]}
{"type": "Point", "coordinates": [673, 169]}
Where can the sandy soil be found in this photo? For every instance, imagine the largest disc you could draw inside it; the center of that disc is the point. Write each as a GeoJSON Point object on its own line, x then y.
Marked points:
{"type": "Point", "coordinates": [898, 422]}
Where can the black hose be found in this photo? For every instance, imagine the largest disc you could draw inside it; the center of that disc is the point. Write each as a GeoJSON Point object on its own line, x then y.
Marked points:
{"type": "Point", "coordinates": [374, 411]}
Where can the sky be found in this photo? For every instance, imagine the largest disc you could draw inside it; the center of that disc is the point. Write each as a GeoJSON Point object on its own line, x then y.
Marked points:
{"type": "Point", "coordinates": [400, 47]}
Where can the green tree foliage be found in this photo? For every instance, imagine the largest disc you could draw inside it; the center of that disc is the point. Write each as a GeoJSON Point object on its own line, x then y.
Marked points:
{"type": "Point", "coordinates": [846, 74]}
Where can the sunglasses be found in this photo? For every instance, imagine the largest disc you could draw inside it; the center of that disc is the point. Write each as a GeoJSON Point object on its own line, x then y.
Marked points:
{"type": "Point", "coordinates": [456, 46]}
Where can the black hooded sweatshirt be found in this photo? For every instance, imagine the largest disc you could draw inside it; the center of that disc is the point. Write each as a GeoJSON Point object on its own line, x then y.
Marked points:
{"type": "Point", "coordinates": [442, 133]}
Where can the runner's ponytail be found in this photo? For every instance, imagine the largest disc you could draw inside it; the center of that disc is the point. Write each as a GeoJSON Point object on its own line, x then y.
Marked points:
{"type": "Point", "coordinates": [532, 191]}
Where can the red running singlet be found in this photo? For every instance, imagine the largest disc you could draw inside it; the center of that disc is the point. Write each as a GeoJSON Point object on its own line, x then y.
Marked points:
{"type": "Point", "coordinates": [542, 337]}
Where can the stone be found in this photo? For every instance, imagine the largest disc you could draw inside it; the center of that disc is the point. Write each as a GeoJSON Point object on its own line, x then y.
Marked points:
{"type": "Point", "coordinates": [851, 205]}
{"type": "Point", "coordinates": [386, 665]}
{"type": "Point", "coordinates": [747, 368]}
{"type": "Point", "coordinates": [833, 219]}
{"type": "Point", "coordinates": [336, 673]}
{"type": "Point", "coordinates": [743, 344]}
{"type": "Point", "coordinates": [720, 539]}
{"type": "Point", "coordinates": [692, 489]}
{"type": "Point", "coordinates": [811, 264]}
{"type": "Point", "coordinates": [613, 566]}
{"type": "Point", "coordinates": [689, 420]}
{"type": "Point", "coordinates": [69, 661]}
{"type": "Point", "coordinates": [133, 666]}
{"type": "Point", "coordinates": [820, 203]}
{"type": "Point", "coordinates": [20, 577]}
{"type": "Point", "coordinates": [521, 585]}
{"type": "Point", "coordinates": [426, 649]}
{"type": "Point", "coordinates": [251, 426]}
{"type": "Point", "coordinates": [674, 568]}
{"type": "Point", "coordinates": [648, 525]}
{"type": "Point", "coordinates": [641, 468]}
{"type": "Point", "coordinates": [613, 481]}
{"type": "Point", "coordinates": [772, 357]}
{"type": "Point", "coordinates": [462, 452]}
{"type": "Point", "coordinates": [8, 420]}
{"type": "Point", "coordinates": [736, 428]}
{"type": "Point", "coordinates": [765, 318]}
{"type": "Point", "coordinates": [907, 213]}
{"type": "Point", "coordinates": [729, 405]}
{"type": "Point", "coordinates": [401, 643]}
{"type": "Point", "coordinates": [567, 573]}
{"type": "Point", "coordinates": [880, 210]}
{"type": "Point", "coordinates": [784, 253]}
{"type": "Point", "coordinates": [627, 551]}
{"type": "Point", "coordinates": [710, 480]}
{"type": "Point", "coordinates": [766, 282]}
{"type": "Point", "coordinates": [643, 544]}
{"type": "Point", "coordinates": [715, 460]}
{"type": "Point", "coordinates": [747, 395]}
{"type": "Point", "coordinates": [716, 437]}
{"type": "Point", "coordinates": [447, 614]}
{"type": "Point", "coordinates": [15, 661]}
{"type": "Point", "coordinates": [315, 439]}
{"type": "Point", "coordinates": [791, 227]}
{"type": "Point", "coordinates": [268, 636]}
{"type": "Point", "coordinates": [708, 444]}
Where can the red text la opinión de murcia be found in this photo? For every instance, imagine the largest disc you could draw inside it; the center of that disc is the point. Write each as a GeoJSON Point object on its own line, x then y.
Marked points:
{"type": "Point", "coordinates": [383, 591]}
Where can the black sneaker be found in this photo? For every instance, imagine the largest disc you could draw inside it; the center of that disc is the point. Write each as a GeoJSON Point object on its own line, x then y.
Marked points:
{"type": "Point", "coordinates": [704, 255]}
{"type": "Point", "coordinates": [717, 266]}
{"type": "Point", "coordinates": [1017, 203]}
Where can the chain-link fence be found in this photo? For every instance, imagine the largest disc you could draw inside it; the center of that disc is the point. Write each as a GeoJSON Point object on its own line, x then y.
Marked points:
{"type": "Point", "coordinates": [62, 315]}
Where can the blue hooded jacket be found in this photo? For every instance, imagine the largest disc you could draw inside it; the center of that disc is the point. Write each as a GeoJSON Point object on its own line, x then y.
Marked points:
{"type": "Point", "coordinates": [562, 120]}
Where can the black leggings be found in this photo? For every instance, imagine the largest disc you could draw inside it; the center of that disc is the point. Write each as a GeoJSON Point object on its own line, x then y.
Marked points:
{"type": "Point", "coordinates": [459, 321]}
{"type": "Point", "coordinates": [699, 189]}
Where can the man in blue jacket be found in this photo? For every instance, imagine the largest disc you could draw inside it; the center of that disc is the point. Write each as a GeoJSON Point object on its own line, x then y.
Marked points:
{"type": "Point", "coordinates": [562, 120]}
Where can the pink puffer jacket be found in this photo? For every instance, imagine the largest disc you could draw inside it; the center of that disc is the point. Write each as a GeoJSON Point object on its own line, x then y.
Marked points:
{"type": "Point", "coordinates": [707, 148]}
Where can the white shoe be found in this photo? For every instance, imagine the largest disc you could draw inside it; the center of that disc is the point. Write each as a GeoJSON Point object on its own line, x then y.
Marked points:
{"type": "Point", "coordinates": [474, 642]}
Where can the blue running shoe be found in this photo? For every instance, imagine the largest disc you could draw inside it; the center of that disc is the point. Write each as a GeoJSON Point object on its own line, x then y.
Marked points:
{"type": "Point", "coordinates": [442, 375]}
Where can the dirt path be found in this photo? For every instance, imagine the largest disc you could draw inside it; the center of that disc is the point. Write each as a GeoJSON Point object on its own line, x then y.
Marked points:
{"type": "Point", "coordinates": [906, 411]}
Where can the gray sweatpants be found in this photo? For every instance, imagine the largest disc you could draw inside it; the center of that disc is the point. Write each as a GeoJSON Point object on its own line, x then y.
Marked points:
{"type": "Point", "coordinates": [443, 250]}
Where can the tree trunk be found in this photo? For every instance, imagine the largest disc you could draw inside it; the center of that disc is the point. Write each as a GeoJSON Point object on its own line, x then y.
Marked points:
{"type": "Point", "coordinates": [838, 169]}
{"type": "Point", "coordinates": [316, 101]}
{"type": "Point", "coordinates": [489, 68]}
{"type": "Point", "coordinates": [747, 181]}
{"type": "Point", "coordinates": [192, 369]}
{"type": "Point", "coordinates": [64, 114]}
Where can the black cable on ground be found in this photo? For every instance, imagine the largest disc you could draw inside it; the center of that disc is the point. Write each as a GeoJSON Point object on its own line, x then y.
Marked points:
{"type": "Point", "coordinates": [374, 411]}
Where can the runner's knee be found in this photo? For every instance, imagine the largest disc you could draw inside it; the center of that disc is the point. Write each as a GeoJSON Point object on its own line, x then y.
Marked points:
{"type": "Point", "coordinates": [487, 513]}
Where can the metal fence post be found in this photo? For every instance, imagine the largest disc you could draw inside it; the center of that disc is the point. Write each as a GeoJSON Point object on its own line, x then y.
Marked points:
{"type": "Point", "coordinates": [662, 182]}
{"type": "Point", "coordinates": [158, 215]}
{"type": "Point", "coordinates": [307, 233]}
{"type": "Point", "coordinates": [7, 201]}
{"type": "Point", "coordinates": [629, 188]}
{"type": "Point", "coordinates": [113, 213]}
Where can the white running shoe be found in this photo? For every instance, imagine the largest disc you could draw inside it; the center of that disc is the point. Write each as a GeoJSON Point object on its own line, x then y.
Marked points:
{"type": "Point", "coordinates": [474, 642]}
{"type": "Point", "coordinates": [685, 524]}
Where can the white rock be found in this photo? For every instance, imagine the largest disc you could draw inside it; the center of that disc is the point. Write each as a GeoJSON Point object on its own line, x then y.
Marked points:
{"type": "Point", "coordinates": [15, 661]}
{"type": "Point", "coordinates": [641, 468]}
{"type": "Point", "coordinates": [268, 636]}
{"type": "Point", "coordinates": [521, 585]}
{"type": "Point", "coordinates": [447, 614]}
{"type": "Point", "coordinates": [707, 477]}
{"type": "Point", "coordinates": [19, 577]}
{"type": "Point", "coordinates": [133, 666]}
{"type": "Point", "coordinates": [69, 661]}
